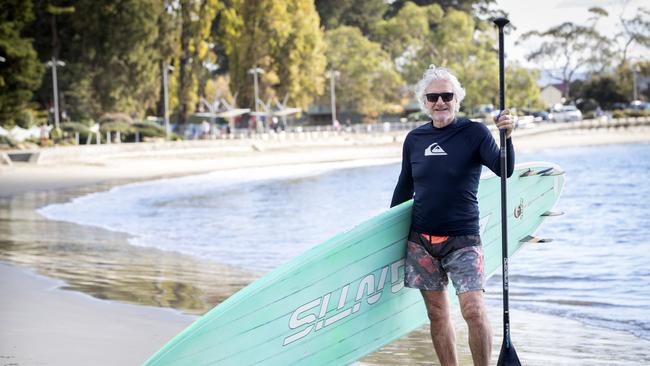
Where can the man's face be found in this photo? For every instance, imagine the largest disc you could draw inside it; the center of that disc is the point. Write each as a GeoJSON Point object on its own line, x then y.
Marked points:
{"type": "Point", "coordinates": [441, 111]}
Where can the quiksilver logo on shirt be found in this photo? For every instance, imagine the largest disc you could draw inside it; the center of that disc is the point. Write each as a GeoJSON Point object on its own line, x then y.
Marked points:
{"type": "Point", "coordinates": [434, 150]}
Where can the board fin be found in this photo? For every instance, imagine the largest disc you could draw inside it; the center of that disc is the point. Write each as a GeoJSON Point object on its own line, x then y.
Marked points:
{"type": "Point", "coordinates": [552, 172]}
{"type": "Point", "coordinates": [534, 239]}
{"type": "Point", "coordinates": [553, 213]}
{"type": "Point", "coordinates": [544, 172]}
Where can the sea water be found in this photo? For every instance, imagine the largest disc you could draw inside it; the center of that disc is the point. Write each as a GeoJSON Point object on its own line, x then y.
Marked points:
{"type": "Point", "coordinates": [595, 271]}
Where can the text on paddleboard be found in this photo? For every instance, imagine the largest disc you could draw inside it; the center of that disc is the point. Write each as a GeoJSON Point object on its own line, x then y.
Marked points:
{"type": "Point", "coordinates": [315, 313]}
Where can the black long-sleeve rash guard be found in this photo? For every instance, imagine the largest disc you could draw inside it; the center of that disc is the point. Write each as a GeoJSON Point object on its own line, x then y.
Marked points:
{"type": "Point", "coordinates": [441, 169]}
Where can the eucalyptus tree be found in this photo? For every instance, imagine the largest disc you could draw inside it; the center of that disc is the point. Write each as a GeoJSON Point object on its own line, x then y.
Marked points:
{"type": "Point", "coordinates": [368, 82]}
{"type": "Point", "coordinates": [283, 38]}
{"type": "Point", "coordinates": [567, 49]}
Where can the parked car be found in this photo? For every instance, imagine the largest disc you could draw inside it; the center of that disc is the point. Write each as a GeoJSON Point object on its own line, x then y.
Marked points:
{"type": "Point", "coordinates": [541, 116]}
{"type": "Point", "coordinates": [637, 104]}
{"type": "Point", "coordinates": [566, 113]}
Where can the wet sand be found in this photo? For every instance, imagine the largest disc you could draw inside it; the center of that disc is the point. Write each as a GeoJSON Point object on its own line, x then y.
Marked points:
{"type": "Point", "coordinates": [45, 323]}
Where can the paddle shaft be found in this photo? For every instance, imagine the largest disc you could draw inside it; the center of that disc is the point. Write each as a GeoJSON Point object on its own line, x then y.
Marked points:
{"type": "Point", "coordinates": [501, 22]}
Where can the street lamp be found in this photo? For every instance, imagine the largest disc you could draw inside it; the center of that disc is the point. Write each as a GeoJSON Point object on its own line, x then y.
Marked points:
{"type": "Point", "coordinates": [332, 74]}
{"type": "Point", "coordinates": [166, 70]}
{"type": "Point", "coordinates": [255, 71]}
{"type": "Point", "coordinates": [53, 64]}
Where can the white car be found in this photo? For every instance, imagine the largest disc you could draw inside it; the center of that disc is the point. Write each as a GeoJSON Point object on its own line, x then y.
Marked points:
{"type": "Point", "coordinates": [566, 113]}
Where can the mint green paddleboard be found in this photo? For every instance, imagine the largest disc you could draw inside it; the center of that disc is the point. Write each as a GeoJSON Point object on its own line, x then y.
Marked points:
{"type": "Point", "coordinates": [345, 298]}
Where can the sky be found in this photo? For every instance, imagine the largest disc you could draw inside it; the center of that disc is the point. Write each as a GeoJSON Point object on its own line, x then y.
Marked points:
{"type": "Point", "coordinates": [529, 15]}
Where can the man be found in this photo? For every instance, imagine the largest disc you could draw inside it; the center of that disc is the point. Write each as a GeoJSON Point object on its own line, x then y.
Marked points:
{"type": "Point", "coordinates": [441, 168]}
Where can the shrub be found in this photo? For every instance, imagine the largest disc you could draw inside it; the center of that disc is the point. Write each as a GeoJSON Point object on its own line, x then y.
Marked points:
{"type": "Point", "coordinates": [116, 126]}
{"type": "Point", "coordinates": [589, 115]}
{"type": "Point", "coordinates": [25, 118]}
{"type": "Point", "coordinates": [149, 129]}
{"type": "Point", "coordinates": [8, 140]}
{"type": "Point", "coordinates": [637, 113]}
{"type": "Point", "coordinates": [70, 128]}
{"type": "Point", "coordinates": [587, 105]}
{"type": "Point", "coordinates": [115, 117]}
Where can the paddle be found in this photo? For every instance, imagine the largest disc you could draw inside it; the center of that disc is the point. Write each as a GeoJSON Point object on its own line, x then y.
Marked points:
{"type": "Point", "coordinates": [507, 356]}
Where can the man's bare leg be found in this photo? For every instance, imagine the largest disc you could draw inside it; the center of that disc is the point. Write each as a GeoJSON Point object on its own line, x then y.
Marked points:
{"type": "Point", "coordinates": [442, 330]}
{"type": "Point", "coordinates": [474, 312]}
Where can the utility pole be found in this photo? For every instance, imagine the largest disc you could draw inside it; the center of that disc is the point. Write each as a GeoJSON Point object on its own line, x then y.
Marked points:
{"type": "Point", "coordinates": [55, 88]}
{"type": "Point", "coordinates": [166, 70]}
{"type": "Point", "coordinates": [332, 74]}
{"type": "Point", "coordinates": [255, 71]}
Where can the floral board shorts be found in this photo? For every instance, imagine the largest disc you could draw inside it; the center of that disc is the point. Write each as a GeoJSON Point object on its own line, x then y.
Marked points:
{"type": "Point", "coordinates": [431, 260]}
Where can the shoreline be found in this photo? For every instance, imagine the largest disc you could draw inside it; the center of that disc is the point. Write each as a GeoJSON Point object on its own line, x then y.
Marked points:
{"type": "Point", "coordinates": [127, 325]}
{"type": "Point", "coordinates": [82, 169]}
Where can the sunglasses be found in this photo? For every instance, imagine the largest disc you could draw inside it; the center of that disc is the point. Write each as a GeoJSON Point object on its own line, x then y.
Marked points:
{"type": "Point", "coordinates": [446, 97]}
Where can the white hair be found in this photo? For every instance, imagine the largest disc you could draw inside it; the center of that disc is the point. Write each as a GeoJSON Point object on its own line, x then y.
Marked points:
{"type": "Point", "coordinates": [437, 73]}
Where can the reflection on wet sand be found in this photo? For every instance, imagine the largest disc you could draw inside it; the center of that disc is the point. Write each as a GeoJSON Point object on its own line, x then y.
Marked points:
{"type": "Point", "coordinates": [102, 263]}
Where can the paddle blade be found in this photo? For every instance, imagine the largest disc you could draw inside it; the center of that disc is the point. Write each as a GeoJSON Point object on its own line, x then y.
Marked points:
{"type": "Point", "coordinates": [508, 356]}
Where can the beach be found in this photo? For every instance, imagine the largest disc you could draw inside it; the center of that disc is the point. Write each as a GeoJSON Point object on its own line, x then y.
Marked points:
{"type": "Point", "coordinates": [145, 296]}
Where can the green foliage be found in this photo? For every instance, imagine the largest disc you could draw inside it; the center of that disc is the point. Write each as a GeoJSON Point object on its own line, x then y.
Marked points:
{"type": "Point", "coordinates": [7, 141]}
{"type": "Point", "coordinates": [149, 129]}
{"type": "Point", "coordinates": [408, 32]}
{"type": "Point", "coordinates": [603, 89]}
{"type": "Point", "coordinates": [20, 74]}
{"type": "Point", "coordinates": [630, 113]}
{"type": "Point", "coordinates": [522, 91]}
{"type": "Point", "coordinates": [368, 82]}
{"type": "Point", "coordinates": [196, 22]}
{"type": "Point", "coordinates": [353, 13]}
{"type": "Point", "coordinates": [284, 40]}
{"type": "Point", "coordinates": [468, 6]}
{"type": "Point", "coordinates": [588, 106]}
{"type": "Point", "coordinates": [72, 127]}
{"type": "Point", "coordinates": [116, 126]}
{"type": "Point", "coordinates": [111, 55]}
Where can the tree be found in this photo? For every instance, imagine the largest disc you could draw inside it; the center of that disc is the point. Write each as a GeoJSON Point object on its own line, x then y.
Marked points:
{"type": "Point", "coordinates": [457, 42]}
{"type": "Point", "coordinates": [196, 23]}
{"type": "Point", "coordinates": [468, 6]}
{"type": "Point", "coordinates": [566, 49]}
{"type": "Point", "coordinates": [407, 33]}
{"type": "Point", "coordinates": [605, 90]}
{"type": "Point", "coordinates": [282, 38]}
{"type": "Point", "coordinates": [21, 72]}
{"type": "Point", "coordinates": [522, 90]}
{"type": "Point", "coordinates": [636, 30]}
{"type": "Point", "coordinates": [368, 82]}
{"type": "Point", "coordinates": [354, 13]}
{"type": "Point", "coordinates": [300, 60]}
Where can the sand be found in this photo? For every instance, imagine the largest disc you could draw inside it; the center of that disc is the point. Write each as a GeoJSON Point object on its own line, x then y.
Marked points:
{"type": "Point", "coordinates": [42, 323]}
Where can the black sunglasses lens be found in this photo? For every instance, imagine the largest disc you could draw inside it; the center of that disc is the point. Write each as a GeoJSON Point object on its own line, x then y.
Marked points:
{"type": "Point", "coordinates": [446, 97]}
